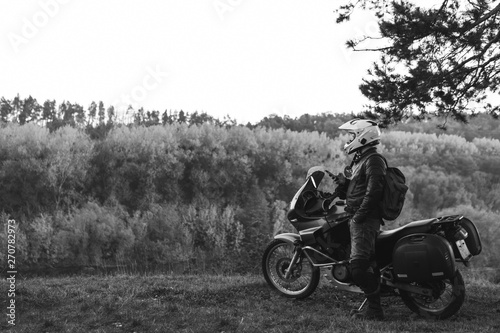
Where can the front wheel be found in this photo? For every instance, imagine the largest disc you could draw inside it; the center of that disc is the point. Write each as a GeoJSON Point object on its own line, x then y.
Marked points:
{"type": "Point", "coordinates": [304, 277]}
{"type": "Point", "coordinates": [448, 297]}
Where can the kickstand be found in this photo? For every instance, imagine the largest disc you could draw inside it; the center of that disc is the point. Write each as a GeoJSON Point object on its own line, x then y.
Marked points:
{"type": "Point", "coordinates": [363, 304]}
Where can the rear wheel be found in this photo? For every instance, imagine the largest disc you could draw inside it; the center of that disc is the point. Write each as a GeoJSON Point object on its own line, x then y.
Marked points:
{"type": "Point", "coordinates": [304, 277]}
{"type": "Point", "coordinates": [447, 298]}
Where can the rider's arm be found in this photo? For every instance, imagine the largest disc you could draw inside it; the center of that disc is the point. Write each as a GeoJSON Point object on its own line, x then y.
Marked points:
{"type": "Point", "coordinates": [341, 189]}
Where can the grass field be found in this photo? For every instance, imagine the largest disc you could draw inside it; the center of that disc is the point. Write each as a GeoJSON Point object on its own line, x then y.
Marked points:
{"type": "Point", "coordinates": [180, 303]}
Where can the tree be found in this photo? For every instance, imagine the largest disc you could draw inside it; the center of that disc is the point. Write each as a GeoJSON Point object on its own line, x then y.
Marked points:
{"type": "Point", "coordinates": [5, 110]}
{"type": "Point", "coordinates": [48, 112]}
{"type": "Point", "coordinates": [68, 114]}
{"type": "Point", "coordinates": [79, 115]}
{"type": "Point", "coordinates": [92, 113]}
{"type": "Point", "coordinates": [111, 115]}
{"type": "Point", "coordinates": [29, 111]}
{"type": "Point", "coordinates": [443, 60]}
{"type": "Point", "coordinates": [167, 118]}
{"type": "Point", "coordinates": [139, 117]}
{"type": "Point", "coordinates": [200, 118]}
{"type": "Point", "coordinates": [101, 113]}
{"type": "Point", "coordinates": [182, 118]}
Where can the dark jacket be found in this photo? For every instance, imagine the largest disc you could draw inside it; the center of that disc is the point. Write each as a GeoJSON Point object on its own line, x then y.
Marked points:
{"type": "Point", "coordinates": [363, 192]}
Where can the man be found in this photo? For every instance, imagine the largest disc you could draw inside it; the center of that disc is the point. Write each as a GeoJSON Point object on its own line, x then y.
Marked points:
{"type": "Point", "coordinates": [363, 190]}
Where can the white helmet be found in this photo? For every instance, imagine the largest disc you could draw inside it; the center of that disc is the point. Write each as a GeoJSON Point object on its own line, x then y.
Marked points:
{"type": "Point", "coordinates": [363, 132]}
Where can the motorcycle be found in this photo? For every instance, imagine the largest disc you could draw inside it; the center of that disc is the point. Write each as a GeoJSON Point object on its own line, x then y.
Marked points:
{"type": "Point", "coordinates": [417, 261]}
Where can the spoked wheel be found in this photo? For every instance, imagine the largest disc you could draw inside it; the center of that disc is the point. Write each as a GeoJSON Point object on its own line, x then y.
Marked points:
{"type": "Point", "coordinates": [447, 298]}
{"type": "Point", "coordinates": [303, 278]}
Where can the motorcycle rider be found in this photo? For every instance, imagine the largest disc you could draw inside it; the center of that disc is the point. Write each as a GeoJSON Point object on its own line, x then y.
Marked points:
{"type": "Point", "coordinates": [362, 190]}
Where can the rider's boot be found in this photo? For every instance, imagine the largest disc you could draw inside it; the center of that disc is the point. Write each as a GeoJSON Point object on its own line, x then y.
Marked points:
{"type": "Point", "coordinates": [373, 310]}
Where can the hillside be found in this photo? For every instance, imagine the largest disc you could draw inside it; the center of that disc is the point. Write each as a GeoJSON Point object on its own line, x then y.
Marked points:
{"type": "Point", "coordinates": [208, 197]}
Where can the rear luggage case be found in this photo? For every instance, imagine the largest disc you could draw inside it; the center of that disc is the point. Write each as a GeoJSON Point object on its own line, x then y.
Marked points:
{"type": "Point", "coordinates": [423, 257]}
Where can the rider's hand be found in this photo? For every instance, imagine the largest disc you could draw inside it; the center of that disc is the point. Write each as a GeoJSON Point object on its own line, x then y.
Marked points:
{"type": "Point", "coordinates": [326, 194]}
{"type": "Point", "coordinates": [341, 179]}
{"type": "Point", "coordinates": [338, 179]}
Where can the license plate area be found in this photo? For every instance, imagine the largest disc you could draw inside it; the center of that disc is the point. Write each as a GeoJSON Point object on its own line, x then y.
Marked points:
{"type": "Point", "coordinates": [463, 250]}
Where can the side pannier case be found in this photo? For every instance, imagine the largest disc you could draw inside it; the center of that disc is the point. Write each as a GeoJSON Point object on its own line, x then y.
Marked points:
{"type": "Point", "coordinates": [423, 257]}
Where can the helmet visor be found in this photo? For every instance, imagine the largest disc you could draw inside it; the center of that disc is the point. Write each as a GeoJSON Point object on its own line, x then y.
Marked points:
{"type": "Point", "coordinates": [352, 136]}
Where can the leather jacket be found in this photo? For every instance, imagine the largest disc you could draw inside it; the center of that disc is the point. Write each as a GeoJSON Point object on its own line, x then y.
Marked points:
{"type": "Point", "coordinates": [363, 192]}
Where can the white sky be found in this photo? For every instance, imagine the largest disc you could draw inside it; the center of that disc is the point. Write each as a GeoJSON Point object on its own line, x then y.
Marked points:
{"type": "Point", "coordinates": [244, 58]}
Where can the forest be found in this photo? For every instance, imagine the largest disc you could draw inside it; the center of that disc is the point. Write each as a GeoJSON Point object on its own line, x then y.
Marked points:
{"type": "Point", "coordinates": [177, 190]}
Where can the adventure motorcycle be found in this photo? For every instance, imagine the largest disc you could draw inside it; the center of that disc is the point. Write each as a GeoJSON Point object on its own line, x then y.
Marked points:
{"type": "Point", "coordinates": [416, 261]}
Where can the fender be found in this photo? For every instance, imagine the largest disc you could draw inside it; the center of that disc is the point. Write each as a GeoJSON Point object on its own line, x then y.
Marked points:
{"type": "Point", "coordinates": [288, 237]}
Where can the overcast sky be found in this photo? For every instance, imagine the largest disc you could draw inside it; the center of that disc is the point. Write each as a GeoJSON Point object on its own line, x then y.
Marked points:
{"type": "Point", "coordinates": [244, 58]}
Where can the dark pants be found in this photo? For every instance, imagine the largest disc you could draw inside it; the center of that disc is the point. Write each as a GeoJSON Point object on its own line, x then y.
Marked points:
{"type": "Point", "coordinates": [363, 266]}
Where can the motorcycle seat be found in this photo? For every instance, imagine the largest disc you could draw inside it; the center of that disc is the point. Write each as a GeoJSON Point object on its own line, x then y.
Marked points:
{"type": "Point", "coordinates": [421, 226]}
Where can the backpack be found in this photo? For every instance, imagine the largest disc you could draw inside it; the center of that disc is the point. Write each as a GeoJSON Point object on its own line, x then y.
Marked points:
{"type": "Point", "coordinates": [395, 189]}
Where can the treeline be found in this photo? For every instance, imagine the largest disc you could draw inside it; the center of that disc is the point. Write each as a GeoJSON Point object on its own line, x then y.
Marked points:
{"type": "Point", "coordinates": [481, 125]}
{"type": "Point", "coordinates": [97, 119]}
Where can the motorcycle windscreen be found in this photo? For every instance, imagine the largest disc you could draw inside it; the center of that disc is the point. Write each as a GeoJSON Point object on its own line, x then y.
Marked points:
{"type": "Point", "coordinates": [314, 177]}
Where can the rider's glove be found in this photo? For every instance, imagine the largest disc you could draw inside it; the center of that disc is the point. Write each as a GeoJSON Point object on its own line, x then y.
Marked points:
{"type": "Point", "coordinates": [326, 194]}
{"type": "Point", "coordinates": [338, 179]}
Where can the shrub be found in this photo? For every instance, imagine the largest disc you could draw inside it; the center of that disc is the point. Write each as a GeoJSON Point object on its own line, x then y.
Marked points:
{"type": "Point", "coordinates": [101, 235]}
{"type": "Point", "coordinates": [164, 239]}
